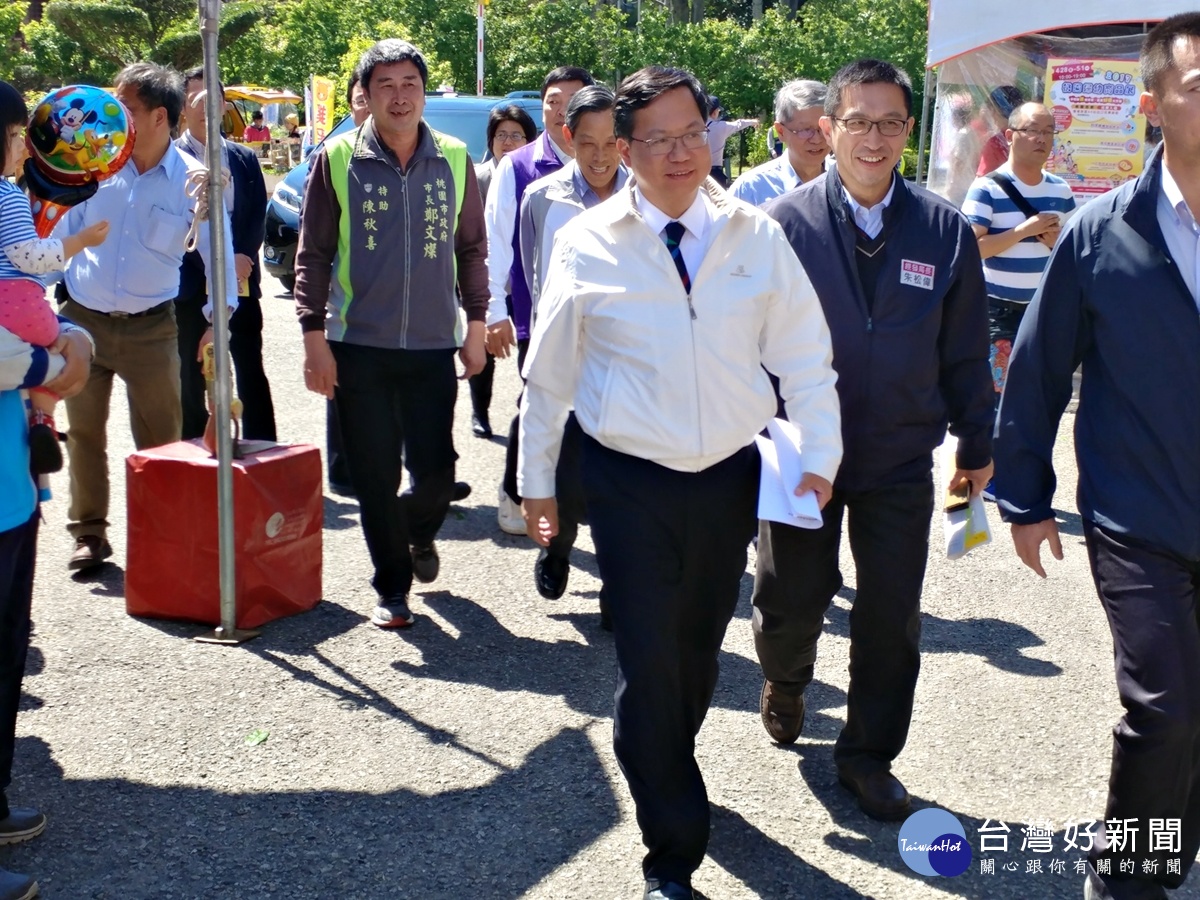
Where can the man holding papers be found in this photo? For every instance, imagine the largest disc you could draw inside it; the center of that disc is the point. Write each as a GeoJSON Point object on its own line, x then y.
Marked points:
{"type": "Point", "coordinates": [898, 274]}
{"type": "Point", "coordinates": [660, 310]}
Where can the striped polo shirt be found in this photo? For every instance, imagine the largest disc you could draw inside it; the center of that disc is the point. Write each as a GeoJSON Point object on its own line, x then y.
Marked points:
{"type": "Point", "coordinates": [1015, 273]}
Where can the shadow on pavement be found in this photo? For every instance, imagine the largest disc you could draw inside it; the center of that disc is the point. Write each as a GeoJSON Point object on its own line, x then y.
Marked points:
{"type": "Point", "coordinates": [486, 653]}
{"type": "Point", "coordinates": [875, 843]}
{"type": "Point", "coordinates": [765, 866]}
{"type": "Point", "coordinates": [112, 838]}
{"type": "Point", "coordinates": [998, 642]}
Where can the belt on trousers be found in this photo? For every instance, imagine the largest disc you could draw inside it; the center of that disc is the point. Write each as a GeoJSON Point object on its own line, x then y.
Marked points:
{"type": "Point", "coordinates": [118, 314]}
{"type": "Point", "coordinates": [1014, 305]}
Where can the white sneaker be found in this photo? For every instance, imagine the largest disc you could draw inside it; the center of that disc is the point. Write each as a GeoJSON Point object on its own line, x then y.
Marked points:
{"type": "Point", "coordinates": [508, 514]}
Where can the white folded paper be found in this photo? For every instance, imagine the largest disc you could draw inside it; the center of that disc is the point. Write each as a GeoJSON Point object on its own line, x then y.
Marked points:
{"type": "Point", "coordinates": [964, 529]}
{"type": "Point", "coordinates": [782, 466]}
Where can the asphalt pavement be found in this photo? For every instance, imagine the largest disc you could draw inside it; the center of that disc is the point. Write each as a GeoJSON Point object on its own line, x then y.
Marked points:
{"type": "Point", "coordinates": [470, 756]}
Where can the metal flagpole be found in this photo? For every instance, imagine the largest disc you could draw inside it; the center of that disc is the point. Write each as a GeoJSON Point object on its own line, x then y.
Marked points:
{"type": "Point", "coordinates": [227, 632]}
{"type": "Point", "coordinates": [924, 126]}
{"type": "Point", "coordinates": [479, 47]}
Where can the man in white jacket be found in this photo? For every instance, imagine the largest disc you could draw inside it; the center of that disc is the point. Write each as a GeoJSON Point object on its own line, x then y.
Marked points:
{"type": "Point", "coordinates": [662, 312]}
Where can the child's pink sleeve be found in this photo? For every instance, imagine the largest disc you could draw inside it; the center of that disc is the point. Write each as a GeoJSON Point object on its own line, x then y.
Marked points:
{"type": "Point", "coordinates": [25, 312]}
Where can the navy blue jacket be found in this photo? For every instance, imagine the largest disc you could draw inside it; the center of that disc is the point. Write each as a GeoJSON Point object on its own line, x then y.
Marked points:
{"type": "Point", "coordinates": [1113, 300]}
{"type": "Point", "coordinates": [249, 225]}
{"type": "Point", "coordinates": [917, 361]}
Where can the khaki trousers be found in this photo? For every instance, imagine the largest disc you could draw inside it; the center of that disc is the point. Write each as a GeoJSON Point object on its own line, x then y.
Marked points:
{"type": "Point", "coordinates": [144, 352]}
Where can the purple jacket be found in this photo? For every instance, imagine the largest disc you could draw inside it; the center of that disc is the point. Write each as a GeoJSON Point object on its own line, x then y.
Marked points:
{"type": "Point", "coordinates": [531, 162]}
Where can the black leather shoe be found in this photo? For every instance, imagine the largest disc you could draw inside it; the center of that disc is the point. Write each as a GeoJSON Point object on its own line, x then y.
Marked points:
{"type": "Point", "coordinates": [462, 491]}
{"type": "Point", "coordinates": [880, 794]}
{"type": "Point", "coordinates": [782, 713]}
{"type": "Point", "coordinates": [667, 890]}
{"type": "Point", "coordinates": [425, 563]}
{"type": "Point", "coordinates": [17, 887]}
{"type": "Point", "coordinates": [550, 573]}
{"type": "Point", "coordinates": [481, 426]}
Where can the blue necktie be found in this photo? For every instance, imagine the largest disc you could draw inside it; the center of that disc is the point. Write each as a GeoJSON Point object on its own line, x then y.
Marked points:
{"type": "Point", "coordinates": [673, 234]}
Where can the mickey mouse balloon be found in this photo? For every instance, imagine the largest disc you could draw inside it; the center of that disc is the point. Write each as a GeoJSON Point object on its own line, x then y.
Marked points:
{"type": "Point", "coordinates": [80, 134]}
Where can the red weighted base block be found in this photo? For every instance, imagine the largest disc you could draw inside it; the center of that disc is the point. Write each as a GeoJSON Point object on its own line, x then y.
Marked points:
{"type": "Point", "coordinates": [172, 570]}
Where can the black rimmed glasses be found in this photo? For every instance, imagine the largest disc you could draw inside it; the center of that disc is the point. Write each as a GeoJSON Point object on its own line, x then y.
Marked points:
{"type": "Point", "coordinates": [860, 126]}
{"type": "Point", "coordinates": [693, 140]}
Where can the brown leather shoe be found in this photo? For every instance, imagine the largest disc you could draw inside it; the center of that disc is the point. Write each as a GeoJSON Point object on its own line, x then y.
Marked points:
{"type": "Point", "coordinates": [880, 794]}
{"type": "Point", "coordinates": [90, 551]}
{"type": "Point", "coordinates": [782, 713]}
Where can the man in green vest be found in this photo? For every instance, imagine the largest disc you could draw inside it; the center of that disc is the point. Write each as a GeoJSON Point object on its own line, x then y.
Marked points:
{"type": "Point", "coordinates": [391, 221]}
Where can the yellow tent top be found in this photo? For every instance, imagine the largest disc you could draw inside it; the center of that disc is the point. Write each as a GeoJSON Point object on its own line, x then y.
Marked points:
{"type": "Point", "coordinates": [261, 95]}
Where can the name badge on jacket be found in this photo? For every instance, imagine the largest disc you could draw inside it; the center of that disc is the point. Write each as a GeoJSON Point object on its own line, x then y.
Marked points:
{"type": "Point", "coordinates": [917, 274]}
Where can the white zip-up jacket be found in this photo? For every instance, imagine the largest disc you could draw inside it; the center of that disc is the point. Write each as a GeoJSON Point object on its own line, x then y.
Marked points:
{"type": "Point", "coordinates": [674, 378]}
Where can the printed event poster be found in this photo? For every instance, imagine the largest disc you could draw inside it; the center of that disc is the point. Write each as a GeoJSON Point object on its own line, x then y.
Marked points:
{"type": "Point", "coordinates": [1101, 132]}
{"type": "Point", "coordinates": [322, 89]}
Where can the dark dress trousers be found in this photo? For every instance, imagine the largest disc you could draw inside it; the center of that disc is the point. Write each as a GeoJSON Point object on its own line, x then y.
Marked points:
{"type": "Point", "coordinates": [245, 325]}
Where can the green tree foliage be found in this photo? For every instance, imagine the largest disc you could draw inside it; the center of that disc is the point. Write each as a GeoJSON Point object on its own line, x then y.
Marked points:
{"type": "Point", "coordinates": [54, 59]}
{"type": "Point", "coordinates": [525, 40]}
{"type": "Point", "coordinates": [11, 17]}
{"type": "Point", "coordinates": [113, 32]}
{"type": "Point", "coordinates": [182, 48]}
{"type": "Point", "coordinates": [737, 54]}
{"type": "Point", "coordinates": [89, 41]}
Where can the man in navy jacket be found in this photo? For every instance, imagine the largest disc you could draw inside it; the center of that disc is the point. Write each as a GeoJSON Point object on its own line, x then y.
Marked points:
{"type": "Point", "coordinates": [901, 283]}
{"type": "Point", "coordinates": [1120, 298]}
{"type": "Point", "coordinates": [246, 197]}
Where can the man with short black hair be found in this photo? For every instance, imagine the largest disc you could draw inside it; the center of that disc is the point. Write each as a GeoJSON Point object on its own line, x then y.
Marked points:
{"type": "Point", "coordinates": [670, 468]}
{"type": "Point", "coordinates": [123, 293]}
{"type": "Point", "coordinates": [1120, 298]}
{"type": "Point", "coordinates": [246, 202]}
{"type": "Point", "coordinates": [799, 106]}
{"type": "Point", "coordinates": [392, 222]}
{"type": "Point", "coordinates": [594, 174]}
{"type": "Point", "coordinates": [898, 273]}
{"type": "Point", "coordinates": [511, 327]}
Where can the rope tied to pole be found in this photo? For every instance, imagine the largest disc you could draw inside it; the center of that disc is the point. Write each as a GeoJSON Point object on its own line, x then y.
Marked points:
{"type": "Point", "coordinates": [197, 186]}
{"type": "Point", "coordinates": [197, 190]}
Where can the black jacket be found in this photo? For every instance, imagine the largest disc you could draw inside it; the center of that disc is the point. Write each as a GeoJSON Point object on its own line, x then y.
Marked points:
{"type": "Point", "coordinates": [1113, 300]}
{"type": "Point", "coordinates": [249, 225]}
{"type": "Point", "coordinates": [917, 361]}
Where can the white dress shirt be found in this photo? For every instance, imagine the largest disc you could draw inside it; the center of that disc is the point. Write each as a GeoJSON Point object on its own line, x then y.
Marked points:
{"type": "Point", "coordinates": [188, 144]}
{"type": "Point", "coordinates": [697, 220]}
{"type": "Point", "coordinates": [1180, 230]}
{"type": "Point", "coordinates": [870, 219]}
